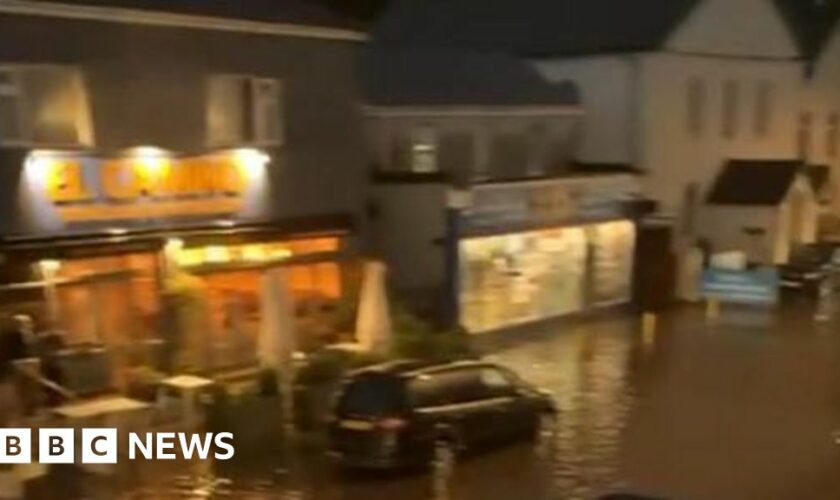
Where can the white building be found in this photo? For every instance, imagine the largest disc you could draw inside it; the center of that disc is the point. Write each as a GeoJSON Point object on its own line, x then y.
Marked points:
{"type": "Point", "coordinates": [676, 88]}
{"type": "Point", "coordinates": [818, 134]}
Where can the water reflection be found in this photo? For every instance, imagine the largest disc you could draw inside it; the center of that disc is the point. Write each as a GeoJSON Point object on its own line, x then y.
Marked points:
{"type": "Point", "coordinates": [737, 410]}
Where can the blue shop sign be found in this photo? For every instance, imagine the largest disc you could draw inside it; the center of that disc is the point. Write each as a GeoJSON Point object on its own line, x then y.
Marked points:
{"type": "Point", "coordinates": [532, 204]}
{"type": "Point", "coordinates": [750, 286]}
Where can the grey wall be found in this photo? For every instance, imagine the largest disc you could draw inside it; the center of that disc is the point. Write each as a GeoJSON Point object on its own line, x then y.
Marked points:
{"type": "Point", "coordinates": [408, 229]}
{"type": "Point", "coordinates": [146, 86]}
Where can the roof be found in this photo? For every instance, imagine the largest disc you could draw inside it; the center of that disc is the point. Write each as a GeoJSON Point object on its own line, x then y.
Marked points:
{"type": "Point", "coordinates": [754, 182]}
{"type": "Point", "coordinates": [533, 27]}
{"type": "Point", "coordinates": [812, 23]}
{"type": "Point", "coordinates": [458, 78]}
{"type": "Point", "coordinates": [295, 12]}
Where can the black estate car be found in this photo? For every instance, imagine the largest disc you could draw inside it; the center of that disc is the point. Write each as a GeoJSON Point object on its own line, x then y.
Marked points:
{"type": "Point", "coordinates": [808, 266]}
{"type": "Point", "coordinates": [395, 414]}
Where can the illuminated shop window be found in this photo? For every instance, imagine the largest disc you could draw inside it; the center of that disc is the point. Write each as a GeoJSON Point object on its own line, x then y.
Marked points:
{"type": "Point", "coordinates": [254, 252]}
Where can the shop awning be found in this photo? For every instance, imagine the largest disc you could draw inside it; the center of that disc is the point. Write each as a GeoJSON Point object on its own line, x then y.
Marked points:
{"type": "Point", "coordinates": [115, 239]}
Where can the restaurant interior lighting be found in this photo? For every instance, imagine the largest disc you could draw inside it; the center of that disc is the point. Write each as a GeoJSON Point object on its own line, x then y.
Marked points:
{"type": "Point", "coordinates": [40, 167]}
{"type": "Point", "coordinates": [49, 267]}
{"type": "Point", "coordinates": [152, 161]}
{"type": "Point", "coordinates": [251, 162]}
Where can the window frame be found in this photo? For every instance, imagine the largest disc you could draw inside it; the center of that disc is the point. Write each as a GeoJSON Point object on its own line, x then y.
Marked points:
{"type": "Point", "coordinates": [730, 97]}
{"type": "Point", "coordinates": [763, 112]}
{"type": "Point", "coordinates": [832, 135]}
{"type": "Point", "coordinates": [696, 100]}
{"type": "Point", "coordinates": [83, 122]}
{"type": "Point", "coordinates": [257, 133]}
{"type": "Point", "coordinates": [429, 153]}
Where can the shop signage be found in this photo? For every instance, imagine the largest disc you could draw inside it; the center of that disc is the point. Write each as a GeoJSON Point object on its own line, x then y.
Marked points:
{"type": "Point", "coordinates": [545, 203]}
{"type": "Point", "coordinates": [750, 286]}
{"type": "Point", "coordinates": [143, 184]}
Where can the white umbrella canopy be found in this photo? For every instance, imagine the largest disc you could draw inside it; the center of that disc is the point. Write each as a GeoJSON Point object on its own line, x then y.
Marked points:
{"type": "Point", "coordinates": [276, 341]}
{"type": "Point", "coordinates": [373, 321]}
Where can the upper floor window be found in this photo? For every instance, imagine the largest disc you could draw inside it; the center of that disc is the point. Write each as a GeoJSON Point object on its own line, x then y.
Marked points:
{"type": "Point", "coordinates": [729, 123]}
{"type": "Point", "coordinates": [423, 150]}
{"type": "Point", "coordinates": [832, 134]}
{"type": "Point", "coordinates": [244, 110]}
{"type": "Point", "coordinates": [803, 139]}
{"type": "Point", "coordinates": [695, 106]}
{"type": "Point", "coordinates": [763, 109]}
{"type": "Point", "coordinates": [537, 149]}
{"type": "Point", "coordinates": [43, 105]}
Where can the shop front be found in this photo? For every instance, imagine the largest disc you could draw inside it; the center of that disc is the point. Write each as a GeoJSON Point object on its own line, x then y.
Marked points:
{"type": "Point", "coordinates": [161, 259]}
{"type": "Point", "coordinates": [540, 249]}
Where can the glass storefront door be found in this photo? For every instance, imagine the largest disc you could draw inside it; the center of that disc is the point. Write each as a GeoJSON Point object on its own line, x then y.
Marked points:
{"type": "Point", "coordinates": [519, 277]}
{"type": "Point", "coordinates": [612, 246]}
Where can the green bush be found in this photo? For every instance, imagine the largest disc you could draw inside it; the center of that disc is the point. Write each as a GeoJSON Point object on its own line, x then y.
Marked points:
{"type": "Point", "coordinates": [328, 365]}
{"type": "Point", "coordinates": [413, 338]}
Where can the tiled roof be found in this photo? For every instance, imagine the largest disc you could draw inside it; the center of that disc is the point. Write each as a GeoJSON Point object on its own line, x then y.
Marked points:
{"type": "Point", "coordinates": [457, 78]}
{"type": "Point", "coordinates": [533, 27]}
{"type": "Point", "coordinates": [754, 182]}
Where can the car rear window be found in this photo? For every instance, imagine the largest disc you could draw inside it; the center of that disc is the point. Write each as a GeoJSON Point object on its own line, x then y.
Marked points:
{"type": "Point", "coordinates": [458, 386]}
{"type": "Point", "coordinates": [372, 395]}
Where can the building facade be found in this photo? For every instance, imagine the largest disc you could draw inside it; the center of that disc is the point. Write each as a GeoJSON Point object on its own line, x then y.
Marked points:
{"type": "Point", "coordinates": [154, 154]}
{"type": "Point", "coordinates": [675, 88]}
{"type": "Point", "coordinates": [477, 205]}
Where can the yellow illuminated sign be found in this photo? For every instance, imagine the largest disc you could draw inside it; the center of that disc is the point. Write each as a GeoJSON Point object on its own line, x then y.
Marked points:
{"type": "Point", "coordinates": [147, 183]}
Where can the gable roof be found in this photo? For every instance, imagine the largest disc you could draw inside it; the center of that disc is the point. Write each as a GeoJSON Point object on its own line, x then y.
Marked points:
{"type": "Point", "coordinates": [754, 182]}
{"type": "Point", "coordinates": [458, 78]}
{"type": "Point", "coordinates": [811, 22]}
{"type": "Point", "coordinates": [294, 12]}
{"type": "Point", "coordinates": [534, 27]}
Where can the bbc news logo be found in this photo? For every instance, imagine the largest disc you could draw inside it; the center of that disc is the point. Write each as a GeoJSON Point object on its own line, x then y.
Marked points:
{"type": "Point", "coordinates": [101, 446]}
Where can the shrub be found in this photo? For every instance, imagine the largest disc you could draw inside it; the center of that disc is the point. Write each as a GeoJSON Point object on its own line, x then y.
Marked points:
{"type": "Point", "coordinates": [329, 364]}
{"type": "Point", "coordinates": [413, 338]}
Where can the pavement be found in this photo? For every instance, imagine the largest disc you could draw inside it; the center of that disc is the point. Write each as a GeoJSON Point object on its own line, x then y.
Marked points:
{"type": "Point", "coordinates": [744, 407]}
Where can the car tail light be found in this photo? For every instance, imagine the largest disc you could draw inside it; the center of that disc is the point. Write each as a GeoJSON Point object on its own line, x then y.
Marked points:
{"type": "Point", "coordinates": [392, 424]}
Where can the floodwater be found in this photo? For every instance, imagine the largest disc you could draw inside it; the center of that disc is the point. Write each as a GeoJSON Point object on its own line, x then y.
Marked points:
{"type": "Point", "coordinates": [743, 408]}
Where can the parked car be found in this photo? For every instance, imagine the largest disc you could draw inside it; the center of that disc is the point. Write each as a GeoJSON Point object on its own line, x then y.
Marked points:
{"type": "Point", "coordinates": [397, 414]}
{"type": "Point", "coordinates": [808, 266]}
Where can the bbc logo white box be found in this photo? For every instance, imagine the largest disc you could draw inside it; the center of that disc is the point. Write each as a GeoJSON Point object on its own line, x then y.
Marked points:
{"type": "Point", "coordinates": [99, 446]}
{"type": "Point", "coordinates": [15, 446]}
{"type": "Point", "coordinates": [55, 446]}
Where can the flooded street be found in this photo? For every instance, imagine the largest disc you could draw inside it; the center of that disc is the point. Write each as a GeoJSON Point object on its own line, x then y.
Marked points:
{"type": "Point", "coordinates": [743, 409]}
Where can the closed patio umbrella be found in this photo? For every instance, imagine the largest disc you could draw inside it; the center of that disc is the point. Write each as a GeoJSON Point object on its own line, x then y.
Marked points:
{"type": "Point", "coordinates": [276, 341]}
{"type": "Point", "coordinates": [373, 322]}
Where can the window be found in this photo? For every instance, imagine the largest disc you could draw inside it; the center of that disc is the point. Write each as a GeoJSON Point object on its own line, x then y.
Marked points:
{"type": "Point", "coordinates": [763, 109]}
{"type": "Point", "coordinates": [691, 199]}
{"type": "Point", "coordinates": [496, 383]}
{"type": "Point", "coordinates": [729, 123]}
{"type": "Point", "coordinates": [43, 105]}
{"type": "Point", "coordinates": [424, 150]}
{"type": "Point", "coordinates": [832, 134]}
{"type": "Point", "coordinates": [695, 107]}
{"type": "Point", "coordinates": [803, 139]}
{"type": "Point", "coordinates": [508, 155]}
{"type": "Point", "coordinates": [457, 154]}
{"type": "Point", "coordinates": [244, 110]}
{"type": "Point", "coordinates": [537, 146]}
